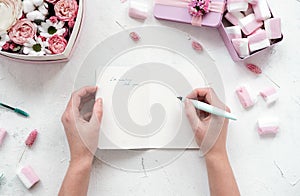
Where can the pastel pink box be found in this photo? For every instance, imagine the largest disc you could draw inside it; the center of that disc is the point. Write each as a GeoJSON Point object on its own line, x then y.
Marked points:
{"type": "Point", "coordinates": [233, 53]}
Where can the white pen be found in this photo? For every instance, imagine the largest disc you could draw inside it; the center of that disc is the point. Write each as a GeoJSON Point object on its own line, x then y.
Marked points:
{"type": "Point", "coordinates": [210, 109]}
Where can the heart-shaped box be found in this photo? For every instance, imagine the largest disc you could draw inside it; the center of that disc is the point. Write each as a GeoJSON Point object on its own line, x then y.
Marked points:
{"type": "Point", "coordinates": [71, 40]}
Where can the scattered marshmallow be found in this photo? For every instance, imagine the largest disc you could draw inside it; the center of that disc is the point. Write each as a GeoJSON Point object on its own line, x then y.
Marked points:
{"type": "Point", "coordinates": [268, 126]}
{"type": "Point", "coordinates": [237, 5]}
{"type": "Point", "coordinates": [31, 138]}
{"type": "Point", "coordinates": [258, 40]}
{"type": "Point", "coordinates": [234, 32]}
{"type": "Point", "coordinates": [138, 9]}
{"type": "Point", "coordinates": [234, 17]}
{"type": "Point", "coordinates": [273, 28]}
{"type": "Point", "coordinates": [27, 176]}
{"type": "Point", "coordinates": [249, 24]}
{"type": "Point", "coordinates": [241, 46]}
{"type": "Point", "coordinates": [2, 136]}
{"type": "Point", "coordinates": [270, 95]}
{"type": "Point", "coordinates": [261, 10]}
{"type": "Point", "coordinates": [247, 100]}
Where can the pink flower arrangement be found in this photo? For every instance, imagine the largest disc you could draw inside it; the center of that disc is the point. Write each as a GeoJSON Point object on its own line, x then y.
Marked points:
{"type": "Point", "coordinates": [37, 27]}
{"type": "Point", "coordinates": [199, 7]}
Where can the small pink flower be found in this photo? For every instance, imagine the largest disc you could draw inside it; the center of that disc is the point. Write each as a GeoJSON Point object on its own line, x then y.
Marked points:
{"type": "Point", "coordinates": [22, 31]}
{"type": "Point", "coordinates": [134, 36]}
{"type": "Point", "coordinates": [71, 23]}
{"type": "Point", "coordinates": [197, 46]}
{"type": "Point", "coordinates": [57, 44]}
{"type": "Point", "coordinates": [66, 10]}
{"type": "Point", "coordinates": [5, 47]}
{"type": "Point", "coordinates": [199, 8]}
{"type": "Point", "coordinates": [51, 1]}
{"type": "Point", "coordinates": [53, 19]}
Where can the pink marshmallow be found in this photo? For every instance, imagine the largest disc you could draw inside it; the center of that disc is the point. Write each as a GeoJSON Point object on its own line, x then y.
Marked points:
{"type": "Point", "coordinates": [237, 5]}
{"type": "Point", "coordinates": [273, 28]}
{"type": "Point", "coordinates": [261, 10]}
{"type": "Point", "coordinates": [245, 98]}
{"type": "Point", "coordinates": [249, 24]}
{"type": "Point", "coordinates": [268, 126]}
{"type": "Point", "coordinates": [270, 95]}
{"type": "Point", "coordinates": [2, 136]}
{"type": "Point", "coordinates": [234, 32]}
{"type": "Point", "coordinates": [258, 40]}
{"type": "Point", "coordinates": [27, 176]}
{"type": "Point", "coordinates": [241, 46]}
{"type": "Point", "coordinates": [234, 17]}
{"type": "Point", "coordinates": [138, 9]}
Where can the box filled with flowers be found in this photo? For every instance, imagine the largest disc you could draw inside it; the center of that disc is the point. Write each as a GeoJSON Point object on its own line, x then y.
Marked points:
{"type": "Point", "coordinates": [39, 30]}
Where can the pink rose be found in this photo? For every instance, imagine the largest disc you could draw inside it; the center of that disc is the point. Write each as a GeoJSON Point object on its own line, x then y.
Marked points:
{"type": "Point", "coordinates": [51, 1]}
{"type": "Point", "coordinates": [22, 31]}
{"type": "Point", "coordinates": [57, 44]}
{"type": "Point", "coordinates": [66, 10]}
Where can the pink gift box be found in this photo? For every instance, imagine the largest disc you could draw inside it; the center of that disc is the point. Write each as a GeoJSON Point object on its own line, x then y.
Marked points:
{"type": "Point", "coordinates": [177, 10]}
{"type": "Point", "coordinates": [165, 9]}
{"type": "Point", "coordinates": [58, 58]}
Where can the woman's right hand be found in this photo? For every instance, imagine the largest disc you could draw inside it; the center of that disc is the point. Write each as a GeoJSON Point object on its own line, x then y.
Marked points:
{"type": "Point", "coordinates": [210, 130]}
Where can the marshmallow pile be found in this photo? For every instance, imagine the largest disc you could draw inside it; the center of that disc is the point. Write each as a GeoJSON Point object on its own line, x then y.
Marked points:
{"type": "Point", "coordinates": [253, 27]}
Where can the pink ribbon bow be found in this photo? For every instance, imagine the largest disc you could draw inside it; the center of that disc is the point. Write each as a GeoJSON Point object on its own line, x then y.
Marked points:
{"type": "Point", "coordinates": [197, 8]}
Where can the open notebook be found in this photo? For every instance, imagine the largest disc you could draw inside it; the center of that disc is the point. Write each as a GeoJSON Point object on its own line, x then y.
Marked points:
{"type": "Point", "coordinates": [141, 109]}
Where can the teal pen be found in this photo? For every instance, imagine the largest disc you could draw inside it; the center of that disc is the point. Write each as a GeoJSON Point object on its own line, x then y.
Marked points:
{"type": "Point", "coordinates": [16, 110]}
{"type": "Point", "coordinates": [210, 109]}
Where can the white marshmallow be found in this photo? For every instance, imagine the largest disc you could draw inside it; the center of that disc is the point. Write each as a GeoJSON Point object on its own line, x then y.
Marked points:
{"type": "Point", "coordinates": [236, 6]}
{"type": "Point", "coordinates": [261, 10]}
{"type": "Point", "coordinates": [268, 126]}
{"type": "Point", "coordinates": [241, 46]}
{"type": "Point", "coordinates": [27, 176]}
{"type": "Point", "coordinates": [234, 32]}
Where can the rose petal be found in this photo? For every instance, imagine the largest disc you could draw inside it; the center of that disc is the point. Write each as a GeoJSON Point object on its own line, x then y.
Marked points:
{"type": "Point", "coordinates": [134, 36]}
{"type": "Point", "coordinates": [253, 68]}
{"type": "Point", "coordinates": [197, 46]}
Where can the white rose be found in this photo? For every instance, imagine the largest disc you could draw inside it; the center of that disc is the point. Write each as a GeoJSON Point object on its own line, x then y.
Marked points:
{"type": "Point", "coordinates": [10, 12]}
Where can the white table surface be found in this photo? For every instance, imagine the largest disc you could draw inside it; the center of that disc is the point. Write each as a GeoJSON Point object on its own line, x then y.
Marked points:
{"type": "Point", "coordinates": [262, 166]}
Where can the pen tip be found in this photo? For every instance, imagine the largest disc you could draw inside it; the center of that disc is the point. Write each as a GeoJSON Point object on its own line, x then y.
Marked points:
{"type": "Point", "coordinates": [180, 98]}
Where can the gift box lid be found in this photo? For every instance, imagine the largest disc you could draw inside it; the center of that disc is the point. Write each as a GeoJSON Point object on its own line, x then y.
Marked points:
{"type": "Point", "coordinates": [179, 11]}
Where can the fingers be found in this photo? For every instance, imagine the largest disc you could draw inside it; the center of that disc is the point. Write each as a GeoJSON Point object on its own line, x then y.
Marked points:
{"type": "Point", "coordinates": [77, 97]}
{"type": "Point", "coordinates": [202, 94]}
{"type": "Point", "coordinates": [191, 114]}
{"type": "Point", "coordinates": [97, 112]}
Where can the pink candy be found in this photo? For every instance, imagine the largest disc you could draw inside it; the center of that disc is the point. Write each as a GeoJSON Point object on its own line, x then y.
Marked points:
{"type": "Point", "coordinates": [234, 32]}
{"type": "Point", "coordinates": [268, 126]}
{"type": "Point", "coordinates": [234, 17]}
{"type": "Point", "coordinates": [245, 98]}
{"type": "Point", "coordinates": [258, 40]}
{"type": "Point", "coordinates": [273, 28]}
{"type": "Point", "coordinates": [241, 46]}
{"type": "Point", "coordinates": [270, 95]}
{"type": "Point", "coordinates": [138, 9]}
{"type": "Point", "coordinates": [2, 136]}
{"type": "Point", "coordinates": [261, 10]}
{"type": "Point", "coordinates": [27, 176]}
{"type": "Point", "coordinates": [249, 24]}
{"type": "Point", "coordinates": [253, 68]}
{"type": "Point", "coordinates": [237, 5]}
{"type": "Point", "coordinates": [31, 138]}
